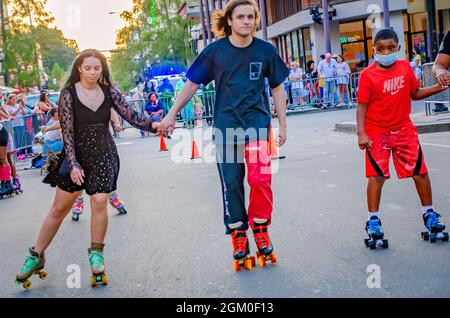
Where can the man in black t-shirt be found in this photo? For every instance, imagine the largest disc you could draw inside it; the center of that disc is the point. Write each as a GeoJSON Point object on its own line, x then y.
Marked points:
{"type": "Point", "coordinates": [239, 63]}
{"type": "Point", "coordinates": [442, 63]}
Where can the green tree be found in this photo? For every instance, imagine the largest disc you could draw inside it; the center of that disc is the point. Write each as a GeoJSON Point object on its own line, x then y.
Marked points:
{"type": "Point", "coordinates": [28, 39]}
{"type": "Point", "coordinates": [55, 48]}
{"type": "Point", "coordinates": [57, 74]}
{"type": "Point", "coordinates": [153, 32]}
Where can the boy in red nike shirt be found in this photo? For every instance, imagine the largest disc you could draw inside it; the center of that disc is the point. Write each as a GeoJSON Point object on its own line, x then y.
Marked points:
{"type": "Point", "coordinates": [384, 104]}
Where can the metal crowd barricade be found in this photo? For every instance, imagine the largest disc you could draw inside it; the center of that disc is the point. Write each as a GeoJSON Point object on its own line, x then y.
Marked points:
{"type": "Point", "coordinates": [23, 129]}
{"type": "Point", "coordinates": [199, 110]}
{"type": "Point", "coordinates": [429, 80]}
{"type": "Point", "coordinates": [308, 94]}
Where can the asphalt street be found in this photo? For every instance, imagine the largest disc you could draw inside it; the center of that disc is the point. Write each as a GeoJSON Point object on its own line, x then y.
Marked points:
{"type": "Point", "coordinates": [172, 242]}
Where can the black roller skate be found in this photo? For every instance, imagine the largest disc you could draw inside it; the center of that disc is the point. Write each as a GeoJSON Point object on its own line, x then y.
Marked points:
{"type": "Point", "coordinates": [434, 226]}
{"type": "Point", "coordinates": [6, 189]}
{"type": "Point", "coordinates": [265, 249]}
{"type": "Point", "coordinates": [241, 250]}
{"type": "Point", "coordinates": [376, 234]}
{"type": "Point", "coordinates": [17, 185]}
{"type": "Point", "coordinates": [77, 208]}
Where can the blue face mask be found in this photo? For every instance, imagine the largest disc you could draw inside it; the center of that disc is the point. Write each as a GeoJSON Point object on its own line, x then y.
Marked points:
{"type": "Point", "coordinates": [386, 60]}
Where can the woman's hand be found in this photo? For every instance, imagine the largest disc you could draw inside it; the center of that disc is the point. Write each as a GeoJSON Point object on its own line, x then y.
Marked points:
{"type": "Point", "coordinates": [117, 128]}
{"type": "Point", "coordinates": [44, 128]}
{"type": "Point", "coordinates": [167, 125]}
{"type": "Point", "coordinates": [77, 176]}
{"type": "Point", "coordinates": [157, 126]}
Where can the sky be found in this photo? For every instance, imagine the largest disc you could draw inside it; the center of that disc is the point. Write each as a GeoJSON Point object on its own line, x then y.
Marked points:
{"type": "Point", "coordinates": [88, 21]}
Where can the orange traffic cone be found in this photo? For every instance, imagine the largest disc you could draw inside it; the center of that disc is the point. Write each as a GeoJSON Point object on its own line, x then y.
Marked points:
{"type": "Point", "coordinates": [273, 150]}
{"type": "Point", "coordinates": [162, 144]}
{"type": "Point", "coordinates": [195, 153]}
{"type": "Point", "coordinates": [272, 146]}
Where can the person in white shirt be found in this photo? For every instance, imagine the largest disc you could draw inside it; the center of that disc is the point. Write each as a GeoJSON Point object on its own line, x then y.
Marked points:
{"type": "Point", "coordinates": [296, 78]}
{"type": "Point", "coordinates": [342, 72]}
{"type": "Point", "coordinates": [327, 71]}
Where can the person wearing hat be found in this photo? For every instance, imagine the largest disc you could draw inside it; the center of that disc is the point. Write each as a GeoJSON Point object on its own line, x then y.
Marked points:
{"type": "Point", "coordinates": [295, 76]}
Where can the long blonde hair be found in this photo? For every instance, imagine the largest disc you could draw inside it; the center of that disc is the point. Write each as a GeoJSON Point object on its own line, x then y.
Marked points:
{"type": "Point", "coordinates": [220, 18]}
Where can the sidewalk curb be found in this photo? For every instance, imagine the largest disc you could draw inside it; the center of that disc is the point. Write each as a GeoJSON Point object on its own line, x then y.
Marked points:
{"type": "Point", "coordinates": [350, 127]}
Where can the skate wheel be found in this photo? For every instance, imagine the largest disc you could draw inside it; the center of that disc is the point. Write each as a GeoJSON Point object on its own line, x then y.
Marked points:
{"type": "Point", "coordinates": [425, 236]}
{"type": "Point", "coordinates": [372, 245]}
{"type": "Point", "coordinates": [445, 238]}
{"type": "Point", "coordinates": [236, 266]}
{"type": "Point", "coordinates": [253, 260]}
{"type": "Point", "coordinates": [93, 281]}
{"type": "Point", "coordinates": [385, 244]}
{"type": "Point", "coordinates": [122, 211]}
{"type": "Point", "coordinates": [262, 261]}
{"type": "Point", "coordinates": [248, 264]}
{"type": "Point", "coordinates": [273, 258]}
{"type": "Point", "coordinates": [366, 241]}
{"type": "Point", "coordinates": [43, 275]}
{"type": "Point", "coordinates": [75, 217]}
{"type": "Point", "coordinates": [27, 284]}
{"type": "Point", "coordinates": [105, 280]}
{"type": "Point", "coordinates": [432, 238]}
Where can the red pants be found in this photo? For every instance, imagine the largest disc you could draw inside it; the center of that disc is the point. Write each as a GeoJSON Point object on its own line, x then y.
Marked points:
{"type": "Point", "coordinates": [231, 166]}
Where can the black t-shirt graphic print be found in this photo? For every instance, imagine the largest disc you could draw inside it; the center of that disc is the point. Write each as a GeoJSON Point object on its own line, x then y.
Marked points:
{"type": "Point", "coordinates": [239, 75]}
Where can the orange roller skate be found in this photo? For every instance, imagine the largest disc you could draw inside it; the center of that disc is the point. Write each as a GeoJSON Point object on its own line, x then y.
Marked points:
{"type": "Point", "coordinates": [241, 251]}
{"type": "Point", "coordinates": [265, 249]}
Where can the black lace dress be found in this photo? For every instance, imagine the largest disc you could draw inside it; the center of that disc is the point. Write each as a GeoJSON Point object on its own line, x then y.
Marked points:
{"type": "Point", "coordinates": [88, 144]}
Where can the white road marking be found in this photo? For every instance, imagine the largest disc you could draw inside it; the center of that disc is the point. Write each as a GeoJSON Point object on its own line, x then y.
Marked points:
{"type": "Point", "coordinates": [435, 145]}
{"type": "Point", "coordinates": [124, 143]}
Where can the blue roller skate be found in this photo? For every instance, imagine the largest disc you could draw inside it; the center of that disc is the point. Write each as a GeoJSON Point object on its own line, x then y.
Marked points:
{"type": "Point", "coordinates": [376, 234]}
{"type": "Point", "coordinates": [434, 226]}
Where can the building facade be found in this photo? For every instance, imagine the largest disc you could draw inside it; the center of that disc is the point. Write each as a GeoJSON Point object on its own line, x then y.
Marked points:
{"type": "Point", "coordinates": [297, 37]}
{"type": "Point", "coordinates": [291, 28]}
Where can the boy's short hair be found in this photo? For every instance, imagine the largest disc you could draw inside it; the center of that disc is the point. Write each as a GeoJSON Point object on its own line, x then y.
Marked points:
{"type": "Point", "coordinates": [386, 34]}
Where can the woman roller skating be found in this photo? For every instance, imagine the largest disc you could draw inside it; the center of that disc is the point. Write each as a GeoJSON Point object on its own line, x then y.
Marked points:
{"type": "Point", "coordinates": [89, 162]}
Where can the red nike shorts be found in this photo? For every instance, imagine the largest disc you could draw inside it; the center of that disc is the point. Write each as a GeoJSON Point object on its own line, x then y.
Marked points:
{"type": "Point", "coordinates": [406, 153]}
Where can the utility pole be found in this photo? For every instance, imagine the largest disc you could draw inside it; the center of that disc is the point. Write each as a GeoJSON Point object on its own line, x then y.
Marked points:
{"type": "Point", "coordinates": [326, 25]}
{"type": "Point", "coordinates": [4, 44]}
{"type": "Point", "coordinates": [387, 18]}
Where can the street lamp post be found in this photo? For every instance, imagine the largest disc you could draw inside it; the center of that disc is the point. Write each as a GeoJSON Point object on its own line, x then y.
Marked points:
{"type": "Point", "coordinates": [2, 18]}
{"type": "Point", "coordinates": [387, 19]}
{"type": "Point", "coordinates": [208, 21]}
{"type": "Point", "coordinates": [195, 34]}
{"type": "Point", "coordinates": [262, 4]}
{"type": "Point", "coordinates": [326, 25]}
{"type": "Point", "coordinates": [202, 23]}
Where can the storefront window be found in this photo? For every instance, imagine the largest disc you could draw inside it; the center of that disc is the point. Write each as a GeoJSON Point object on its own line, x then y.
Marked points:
{"type": "Point", "coordinates": [415, 26]}
{"type": "Point", "coordinates": [418, 22]}
{"type": "Point", "coordinates": [353, 43]}
{"type": "Point", "coordinates": [295, 53]}
{"type": "Point", "coordinates": [351, 32]}
{"type": "Point", "coordinates": [354, 55]}
{"type": "Point", "coordinates": [307, 44]}
{"type": "Point", "coordinates": [289, 47]}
